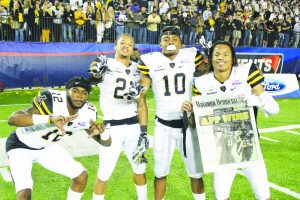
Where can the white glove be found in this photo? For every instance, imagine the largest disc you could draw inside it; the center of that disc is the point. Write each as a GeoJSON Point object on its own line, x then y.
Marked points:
{"type": "Point", "coordinates": [98, 67]}
{"type": "Point", "coordinates": [134, 91]}
{"type": "Point", "coordinates": [253, 100]}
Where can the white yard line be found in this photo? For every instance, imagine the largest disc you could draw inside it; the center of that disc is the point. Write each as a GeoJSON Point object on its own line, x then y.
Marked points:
{"type": "Point", "coordinates": [285, 190]}
{"type": "Point", "coordinates": [279, 188]}
{"type": "Point", "coordinates": [5, 174]}
{"type": "Point", "coordinates": [2, 121]}
{"type": "Point", "coordinates": [7, 105]}
{"type": "Point", "coordinates": [269, 139]}
{"type": "Point", "coordinates": [279, 128]}
{"type": "Point", "coordinates": [292, 132]}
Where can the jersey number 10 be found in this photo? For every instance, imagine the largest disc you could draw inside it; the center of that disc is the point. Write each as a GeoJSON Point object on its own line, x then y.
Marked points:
{"type": "Point", "coordinates": [179, 80]}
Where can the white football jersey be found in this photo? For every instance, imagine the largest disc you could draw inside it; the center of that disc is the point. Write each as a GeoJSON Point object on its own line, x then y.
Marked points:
{"type": "Point", "coordinates": [54, 102]}
{"type": "Point", "coordinates": [171, 79]}
{"type": "Point", "coordinates": [241, 80]}
{"type": "Point", "coordinates": [116, 83]}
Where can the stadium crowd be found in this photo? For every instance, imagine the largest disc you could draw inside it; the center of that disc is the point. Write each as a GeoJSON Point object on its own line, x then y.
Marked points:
{"type": "Point", "coordinates": [258, 23]}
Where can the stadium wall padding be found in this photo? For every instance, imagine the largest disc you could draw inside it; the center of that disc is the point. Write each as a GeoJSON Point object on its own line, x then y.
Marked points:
{"type": "Point", "coordinates": [29, 64]}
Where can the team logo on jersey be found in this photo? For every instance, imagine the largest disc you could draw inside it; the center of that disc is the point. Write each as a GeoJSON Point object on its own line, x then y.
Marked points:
{"type": "Point", "coordinates": [272, 85]}
{"type": "Point", "coordinates": [40, 99]}
{"type": "Point", "coordinates": [211, 91]}
{"type": "Point", "coordinates": [127, 71]}
{"type": "Point", "coordinates": [236, 82]}
{"type": "Point", "coordinates": [267, 63]}
{"type": "Point", "coordinates": [159, 68]}
{"type": "Point", "coordinates": [172, 65]}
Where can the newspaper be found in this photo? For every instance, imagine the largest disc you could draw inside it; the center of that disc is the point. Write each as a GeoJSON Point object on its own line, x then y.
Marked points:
{"type": "Point", "coordinates": [227, 132]}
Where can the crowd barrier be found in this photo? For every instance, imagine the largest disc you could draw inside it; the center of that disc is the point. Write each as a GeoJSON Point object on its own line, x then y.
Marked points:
{"type": "Point", "coordinates": [29, 64]}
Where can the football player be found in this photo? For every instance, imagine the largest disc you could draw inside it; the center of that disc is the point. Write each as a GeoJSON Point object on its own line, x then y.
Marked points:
{"type": "Point", "coordinates": [171, 74]}
{"type": "Point", "coordinates": [54, 114]}
{"type": "Point", "coordinates": [115, 77]}
{"type": "Point", "coordinates": [225, 75]}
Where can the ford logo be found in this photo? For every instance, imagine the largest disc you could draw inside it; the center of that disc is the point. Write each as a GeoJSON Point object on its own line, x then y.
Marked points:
{"type": "Point", "coordinates": [273, 85]}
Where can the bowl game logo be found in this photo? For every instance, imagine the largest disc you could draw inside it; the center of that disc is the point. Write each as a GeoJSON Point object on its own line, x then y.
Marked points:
{"type": "Point", "coordinates": [267, 63]}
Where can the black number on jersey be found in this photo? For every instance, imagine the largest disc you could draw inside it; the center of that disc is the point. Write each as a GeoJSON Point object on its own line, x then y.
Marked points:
{"type": "Point", "coordinates": [179, 82]}
{"type": "Point", "coordinates": [56, 97]}
{"type": "Point", "coordinates": [122, 87]}
{"type": "Point", "coordinates": [90, 106]}
{"type": "Point", "coordinates": [56, 138]}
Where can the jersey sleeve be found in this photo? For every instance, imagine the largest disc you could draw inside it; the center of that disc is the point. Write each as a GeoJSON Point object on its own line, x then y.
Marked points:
{"type": "Point", "coordinates": [255, 76]}
{"type": "Point", "coordinates": [196, 91]}
{"type": "Point", "coordinates": [43, 102]}
{"type": "Point", "coordinates": [198, 59]}
{"type": "Point", "coordinates": [142, 68]}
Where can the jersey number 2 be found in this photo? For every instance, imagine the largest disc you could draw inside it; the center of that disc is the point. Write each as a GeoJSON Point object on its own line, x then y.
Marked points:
{"type": "Point", "coordinates": [122, 87]}
{"type": "Point", "coordinates": [179, 80]}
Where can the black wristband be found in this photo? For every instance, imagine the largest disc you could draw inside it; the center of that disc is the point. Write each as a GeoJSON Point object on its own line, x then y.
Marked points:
{"type": "Point", "coordinates": [144, 128]}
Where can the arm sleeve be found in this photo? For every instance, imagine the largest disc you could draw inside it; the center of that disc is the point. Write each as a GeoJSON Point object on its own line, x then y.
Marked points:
{"type": "Point", "coordinates": [196, 91]}
{"type": "Point", "coordinates": [43, 102]}
{"type": "Point", "coordinates": [255, 76]}
{"type": "Point", "coordinates": [143, 69]}
{"type": "Point", "coordinates": [198, 59]}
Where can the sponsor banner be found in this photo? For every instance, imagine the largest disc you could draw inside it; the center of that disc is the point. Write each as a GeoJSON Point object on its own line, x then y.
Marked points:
{"type": "Point", "coordinates": [29, 64]}
{"type": "Point", "coordinates": [281, 85]}
{"type": "Point", "coordinates": [227, 132]}
{"type": "Point", "coordinates": [267, 62]}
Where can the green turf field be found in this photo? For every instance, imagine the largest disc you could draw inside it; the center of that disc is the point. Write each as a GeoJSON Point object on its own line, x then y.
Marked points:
{"type": "Point", "coordinates": [282, 160]}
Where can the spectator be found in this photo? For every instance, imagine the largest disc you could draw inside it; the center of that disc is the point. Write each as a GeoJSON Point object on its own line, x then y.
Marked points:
{"type": "Point", "coordinates": [121, 18]}
{"type": "Point", "coordinates": [88, 3]}
{"type": "Point", "coordinates": [209, 29]}
{"type": "Point", "coordinates": [153, 22]}
{"type": "Point", "coordinates": [68, 18]}
{"type": "Point", "coordinates": [129, 25]}
{"type": "Point", "coordinates": [80, 18]}
{"type": "Point", "coordinates": [247, 32]}
{"type": "Point", "coordinates": [139, 32]}
{"type": "Point", "coordinates": [75, 3]}
{"type": "Point", "coordinates": [228, 27]}
{"type": "Point", "coordinates": [135, 55]}
{"type": "Point", "coordinates": [260, 31]}
{"type": "Point", "coordinates": [89, 25]}
{"type": "Point", "coordinates": [58, 11]}
{"type": "Point", "coordinates": [46, 20]}
{"type": "Point", "coordinates": [164, 21]}
{"type": "Point", "coordinates": [109, 32]}
{"type": "Point", "coordinates": [163, 7]}
{"type": "Point", "coordinates": [5, 30]}
{"type": "Point", "coordinates": [29, 21]}
{"type": "Point", "coordinates": [296, 33]}
{"type": "Point", "coordinates": [237, 29]}
{"type": "Point", "coordinates": [192, 28]}
{"type": "Point", "coordinates": [17, 16]}
{"type": "Point", "coordinates": [286, 29]}
{"type": "Point", "coordinates": [207, 13]}
{"type": "Point", "coordinates": [220, 29]}
{"type": "Point", "coordinates": [37, 22]}
{"type": "Point", "coordinates": [100, 28]}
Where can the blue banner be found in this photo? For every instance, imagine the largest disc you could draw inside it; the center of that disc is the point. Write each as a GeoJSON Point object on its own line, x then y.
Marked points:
{"type": "Point", "coordinates": [26, 64]}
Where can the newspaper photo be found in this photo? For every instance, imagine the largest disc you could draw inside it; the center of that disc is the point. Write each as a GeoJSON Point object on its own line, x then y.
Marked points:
{"type": "Point", "coordinates": [227, 132]}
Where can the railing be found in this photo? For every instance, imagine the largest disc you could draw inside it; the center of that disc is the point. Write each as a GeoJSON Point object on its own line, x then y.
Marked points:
{"type": "Point", "coordinates": [60, 30]}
